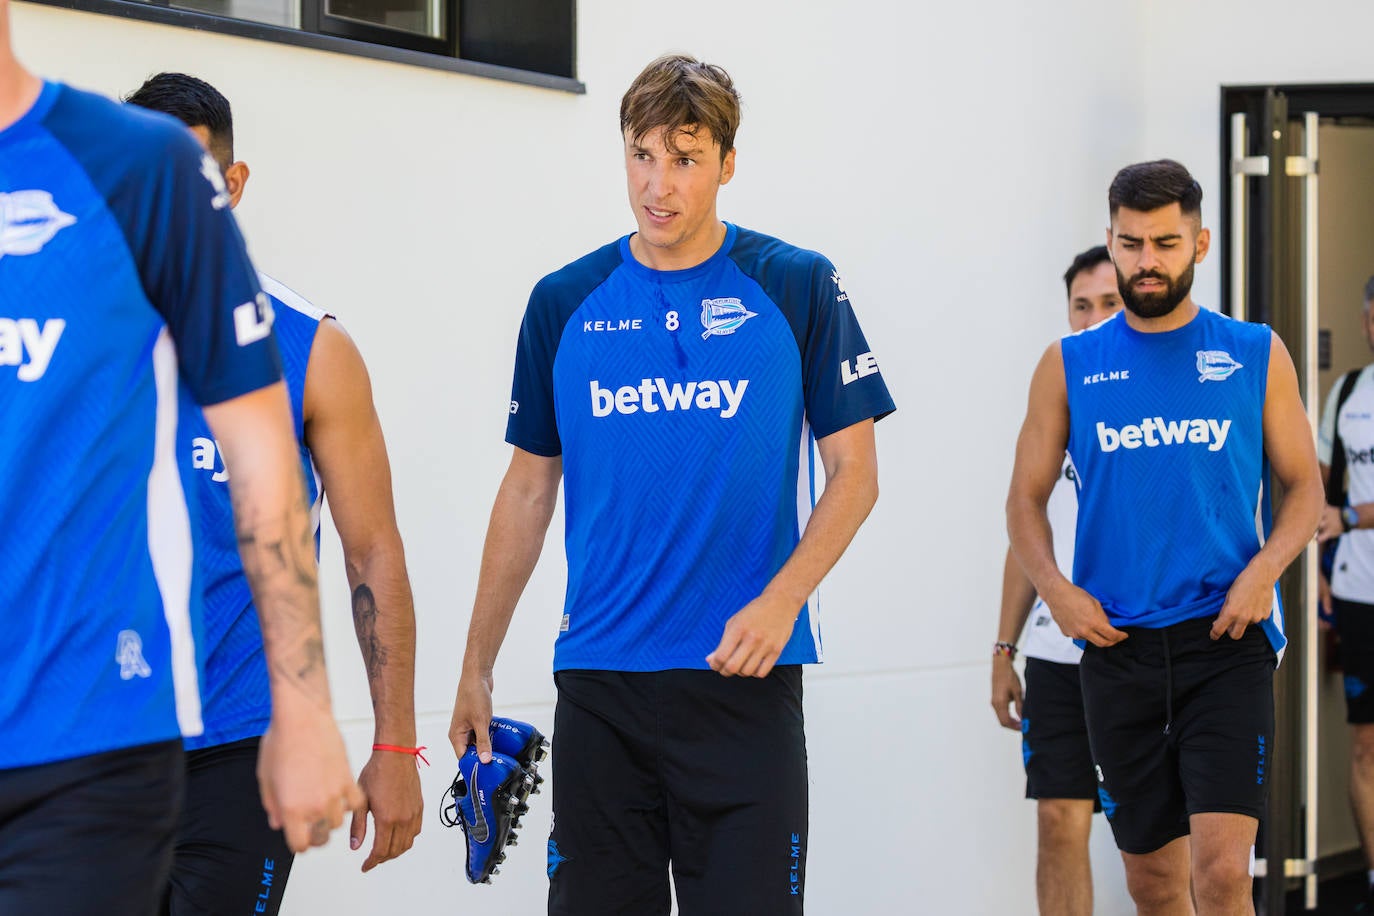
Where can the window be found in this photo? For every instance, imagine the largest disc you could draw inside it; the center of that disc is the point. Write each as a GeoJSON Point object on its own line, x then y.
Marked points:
{"type": "Point", "coordinates": [532, 41]}
{"type": "Point", "coordinates": [272, 12]}
{"type": "Point", "coordinates": [415, 17]}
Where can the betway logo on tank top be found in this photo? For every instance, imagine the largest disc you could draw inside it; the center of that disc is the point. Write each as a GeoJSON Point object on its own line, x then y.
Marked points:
{"type": "Point", "coordinates": [652, 395]}
{"type": "Point", "coordinates": [1154, 432]}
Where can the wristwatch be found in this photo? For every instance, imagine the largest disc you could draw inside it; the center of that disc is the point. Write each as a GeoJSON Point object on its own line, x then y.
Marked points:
{"type": "Point", "coordinates": [1350, 518]}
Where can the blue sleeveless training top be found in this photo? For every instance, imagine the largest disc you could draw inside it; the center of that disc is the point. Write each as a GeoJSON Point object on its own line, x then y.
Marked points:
{"type": "Point", "coordinates": [1166, 433]}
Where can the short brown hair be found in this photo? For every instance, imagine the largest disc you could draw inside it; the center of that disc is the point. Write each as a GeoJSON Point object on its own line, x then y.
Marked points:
{"type": "Point", "coordinates": [681, 93]}
{"type": "Point", "coordinates": [1148, 186]}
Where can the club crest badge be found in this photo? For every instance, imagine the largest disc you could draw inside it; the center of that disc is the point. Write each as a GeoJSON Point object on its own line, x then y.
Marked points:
{"type": "Point", "coordinates": [129, 656]}
{"type": "Point", "coordinates": [1215, 365]}
{"type": "Point", "coordinates": [28, 221]}
{"type": "Point", "coordinates": [723, 316]}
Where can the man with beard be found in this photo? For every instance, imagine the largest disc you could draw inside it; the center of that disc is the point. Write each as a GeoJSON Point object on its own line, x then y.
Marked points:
{"type": "Point", "coordinates": [1169, 413]}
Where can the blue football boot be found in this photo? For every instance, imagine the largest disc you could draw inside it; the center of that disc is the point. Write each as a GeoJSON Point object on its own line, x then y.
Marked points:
{"type": "Point", "coordinates": [486, 797]}
{"type": "Point", "coordinates": [523, 743]}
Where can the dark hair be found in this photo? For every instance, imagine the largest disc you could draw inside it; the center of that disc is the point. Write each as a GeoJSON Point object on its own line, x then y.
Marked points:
{"type": "Point", "coordinates": [681, 93]}
{"type": "Point", "coordinates": [1369, 290]}
{"type": "Point", "coordinates": [1086, 260]}
{"type": "Point", "coordinates": [196, 103]}
{"type": "Point", "coordinates": [1148, 186]}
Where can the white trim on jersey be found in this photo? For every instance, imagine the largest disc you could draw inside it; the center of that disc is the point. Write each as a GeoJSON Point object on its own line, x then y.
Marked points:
{"type": "Point", "coordinates": [169, 539]}
{"type": "Point", "coordinates": [1041, 637]}
{"type": "Point", "coordinates": [1276, 615]}
{"type": "Point", "coordinates": [294, 300]}
{"type": "Point", "coordinates": [289, 297]}
{"type": "Point", "coordinates": [317, 506]}
{"type": "Point", "coordinates": [1276, 604]}
{"type": "Point", "coordinates": [806, 501]}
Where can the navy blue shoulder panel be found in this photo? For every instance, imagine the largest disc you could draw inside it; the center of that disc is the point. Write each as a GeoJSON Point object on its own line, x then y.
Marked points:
{"type": "Point", "coordinates": [840, 379]}
{"type": "Point", "coordinates": [574, 282]}
{"type": "Point", "coordinates": [167, 196]}
{"type": "Point", "coordinates": [533, 425]}
{"type": "Point", "coordinates": [788, 275]}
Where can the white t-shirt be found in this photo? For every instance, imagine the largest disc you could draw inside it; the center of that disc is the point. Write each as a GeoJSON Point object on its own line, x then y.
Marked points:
{"type": "Point", "coordinates": [1043, 639]}
{"type": "Point", "coordinates": [1352, 578]}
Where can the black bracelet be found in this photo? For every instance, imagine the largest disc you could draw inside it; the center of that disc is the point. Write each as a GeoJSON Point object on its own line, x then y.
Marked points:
{"type": "Point", "coordinates": [1005, 648]}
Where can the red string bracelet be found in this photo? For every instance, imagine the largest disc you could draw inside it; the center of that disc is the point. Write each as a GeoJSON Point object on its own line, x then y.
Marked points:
{"type": "Point", "coordinates": [413, 751]}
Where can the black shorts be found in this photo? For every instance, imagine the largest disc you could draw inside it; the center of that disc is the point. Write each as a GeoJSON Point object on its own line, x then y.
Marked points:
{"type": "Point", "coordinates": [91, 835]}
{"type": "Point", "coordinates": [228, 862]}
{"type": "Point", "coordinates": [1355, 624]}
{"type": "Point", "coordinates": [1054, 735]}
{"type": "Point", "coordinates": [683, 769]}
{"type": "Point", "coordinates": [1179, 725]}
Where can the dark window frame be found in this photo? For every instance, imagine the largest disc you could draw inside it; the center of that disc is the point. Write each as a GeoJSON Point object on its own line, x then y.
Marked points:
{"type": "Point", "coordinates": [315, 18]}
{"type": "Point", "coordinates": [361, 40]}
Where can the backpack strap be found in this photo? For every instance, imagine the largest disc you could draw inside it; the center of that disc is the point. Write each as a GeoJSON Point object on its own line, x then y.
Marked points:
{"type": "Point", "coordinates": [1335, 481]}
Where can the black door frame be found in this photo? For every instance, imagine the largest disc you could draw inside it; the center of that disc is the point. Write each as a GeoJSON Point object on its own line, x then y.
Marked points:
{"type": "Point", "coordinates": [1329, 100]}
{"type": "Point", "coordinates": [1273, 262]}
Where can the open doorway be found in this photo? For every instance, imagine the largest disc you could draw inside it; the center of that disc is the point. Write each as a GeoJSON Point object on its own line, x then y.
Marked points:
{"type": "Point", "coordinates": [1298, 246]}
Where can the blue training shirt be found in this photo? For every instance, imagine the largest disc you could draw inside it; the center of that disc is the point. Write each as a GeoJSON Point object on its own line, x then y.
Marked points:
{"type": "Point", "coordinates": [686, 405]}
{"type": "Point", "coordinates": [238, 703]}
{"type": "Point", "coordinates": [122, 276]}
{"type": "Point", "coordinates": [1166, 432]}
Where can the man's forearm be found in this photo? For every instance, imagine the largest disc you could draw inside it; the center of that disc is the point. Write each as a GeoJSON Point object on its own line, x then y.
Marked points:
{"type": "Point", "coordinates": [1018, 597]}
{"type": "Point", "coordinates": [515, 538]}
{"type": "Point", "coordinates": [1032, 541]}
{"type": "Point", "coordinates": [384, 620]}
{"type": "Point", "coordinates": [278, 553]}
{"type": "Point", "coordinates": [844, 504]}
{"type": "Point", "coordinates": [1294, 524]}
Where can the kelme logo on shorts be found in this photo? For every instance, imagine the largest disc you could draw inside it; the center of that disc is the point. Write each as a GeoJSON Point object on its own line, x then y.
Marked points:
{"type": "Point", "coordinates": [1153, 432]}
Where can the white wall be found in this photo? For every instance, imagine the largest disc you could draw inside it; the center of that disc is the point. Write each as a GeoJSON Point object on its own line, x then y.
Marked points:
{"type": "Point", "coordinates": [1192, 49]}
{"type": "Point", "coordinates": [950, 164]}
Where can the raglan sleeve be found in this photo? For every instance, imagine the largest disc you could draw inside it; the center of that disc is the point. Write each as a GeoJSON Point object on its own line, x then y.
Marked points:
{"type": "Point", "coordinates": [841, 381]}
{"type": "Point", "coordinates": [533, 421]}
{"type": "Point", "coordinates": [196, 272]}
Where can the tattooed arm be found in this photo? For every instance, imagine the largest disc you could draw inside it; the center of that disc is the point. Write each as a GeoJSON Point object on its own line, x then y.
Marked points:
{"type": "Point", "coordinates": [302, 768]}
{"type": "Point", "coordinates": [345, 441]}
